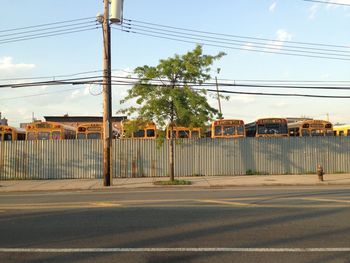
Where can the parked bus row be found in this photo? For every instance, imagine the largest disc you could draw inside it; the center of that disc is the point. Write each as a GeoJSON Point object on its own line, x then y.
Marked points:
{"type": "Point", "coordinates": [225, 128]}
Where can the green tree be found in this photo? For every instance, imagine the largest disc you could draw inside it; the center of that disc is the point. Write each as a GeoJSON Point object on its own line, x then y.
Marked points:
{"type": "Point", "coordinates": [170, 93]}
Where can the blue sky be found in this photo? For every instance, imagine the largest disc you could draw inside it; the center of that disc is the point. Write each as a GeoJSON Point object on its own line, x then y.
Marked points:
{"type": "Point", "coordinates": [283, 20]}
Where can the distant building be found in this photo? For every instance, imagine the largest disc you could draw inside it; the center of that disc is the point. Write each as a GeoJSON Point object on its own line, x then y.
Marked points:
{"type": "Point", "coordinates": [296, 119]}
{"type": "Point", "coordinates": [3, 121]}
{"type": "Point", "coordinates": [77, 120]}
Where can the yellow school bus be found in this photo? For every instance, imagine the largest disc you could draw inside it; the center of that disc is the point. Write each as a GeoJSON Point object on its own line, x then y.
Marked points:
{"type": "Point", "coordinates": [307, 128]}
{"type": "Point", "coordinates": [342, 130]}
{"type": "Point", "coordinates": [49, 131]}
{"type": "Point", "coordinates": [90, 131]}
{"type": "Point", "coordinates": [267, 127]}
{"type": "Point", "coordinates": [8, 133]}
{"type": "Point", "coordinates": [136, 129]}
{"type": "Point", "coordinates": [183, 132]}
{"type": "Point", "coordinates": [230, 128]}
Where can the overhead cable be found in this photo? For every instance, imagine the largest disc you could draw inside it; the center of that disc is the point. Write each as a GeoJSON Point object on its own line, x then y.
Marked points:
{"type": "Point", "coordinates": [48, 24]}
{"type": "Point", "coordinates": [327, 2]}
{"type": "Point", "coordinates": [185, 40]}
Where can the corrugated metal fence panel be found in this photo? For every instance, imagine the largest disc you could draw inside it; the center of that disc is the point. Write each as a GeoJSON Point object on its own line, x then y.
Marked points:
{"type": "Point", "coordinates": [146, 158]}
{"type": "Point", "coordinates": [50, 159]}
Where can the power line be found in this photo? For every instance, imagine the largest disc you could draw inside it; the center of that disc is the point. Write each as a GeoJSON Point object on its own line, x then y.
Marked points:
{"type": "Point", "coordinates": [327, 2]}
{"type": "Point", "coordinates": [114, 83]}
{"type": "Point", "coordinates": [231, 47]}
{"type": "Point", "coordinates": [237, 36]}
{"type": "Point", "coordinates": [39, 94]}
{"type": "Point", "coordinates": [50, 35]}
{"type": "Point", "coordinates": [72, 81]}
{"type": "Point", "coordinates": [48, 28]}
{"type": "Point", "coordinates": [55, 83]}
{"type": "Point", "coordinates": [48, 24]}
{"type": "Point", "coordinates": [55, 77]}
{"type": "Point", "coordinates": [235, 84]}
{"type": "Point", "coordinates": [270, 45]}
{"type": "Point", "coordinates": [280, 94]}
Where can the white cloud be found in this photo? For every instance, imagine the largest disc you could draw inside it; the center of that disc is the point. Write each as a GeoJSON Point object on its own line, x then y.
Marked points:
{"type": "Point", "coordinates": [6, 63]}
{"type": "Point", "coordinates": [75, 94]}
{"type": "Point", "coordinates": [280, 104]}
{"type": "Point", "coordinates": [242, 98]}
{"type": "Point", "coordinates": [312, 11]}
{"type": "Point", "coordinates": [272, 7]}
{"type": "Point", "coordinates": [281, 36]}
{"type": "Point", "coordinates": [315, 8]}
{"type": "Point", "coordinates": [248, 46]}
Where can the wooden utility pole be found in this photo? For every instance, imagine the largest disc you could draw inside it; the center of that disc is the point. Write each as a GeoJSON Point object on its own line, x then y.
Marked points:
{"type": "Point", "coordinates": [218, 96]}
{"type": "Point", "coordinates": [107, 98]}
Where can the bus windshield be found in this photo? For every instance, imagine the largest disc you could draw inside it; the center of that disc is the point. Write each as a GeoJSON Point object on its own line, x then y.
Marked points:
{"type": "Point", "coordinates": [217, 130]}
{"type": "Point", "coordinates": [150, 133]}
{"type": "Point", "coordinates": [240, 130]}
{"type": "Point", "coordinates": [195, 134]}
{"type": "Point", "coordinates": [183, 134]}
{"type": "Point", "coordinates": [7, 137]}
{"type": "Point", "coordinates": [94, 136]}
{"type": "Point", "coordinates": [43, 135]}
{"type": "Point", "coordinates": [31, 136]}
{"type": "Point", "coordinates": [81, 136]}
{"type": "Point", "coordinates": [317, 133]}
{"type": "Point", "coordinates": [139, 133]}
{"type": "Point", "coordinates": [56, 135]}
{"type": "Point", "coordinates": [329, 133]}
{"type": "Point", "coordinates": [273, 128]}
{"type": "Point", "coordinates": [229, 130]}
{"type": "Point", "coordinates": [305, 132]}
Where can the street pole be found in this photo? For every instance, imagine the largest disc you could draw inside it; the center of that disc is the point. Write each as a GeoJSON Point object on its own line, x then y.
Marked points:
{"type": "Point", "coordinates": [107, 99]}
{"type": "Point", "coordinates": [217, 91]}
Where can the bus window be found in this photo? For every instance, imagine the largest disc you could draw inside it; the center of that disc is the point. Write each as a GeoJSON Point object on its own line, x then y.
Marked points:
{"type": "Point", "coordinates": [7, 137]}
{"type": "Point", "coordinates": [229, 130]}
{"type": "Point", "coordinates": [305, 132]}
{"type": "Point", "coordinates": [31, 136]}
{"type": "Point", "coordinates": [81, 136]}
{"type": "Point", "coordinates": [316, 133]}
{"type": "Point", "coordinates": [195, 134]}
{"type": "Point", "coordinates": [43, 135]}
{"type": "Point", "coordinates": [217, 131]}
{"type": "Point", "coordinates": [94, 136]}
{"type": "Point", "coordinates": [262, 129]}
{"type": "Point", "coordinates": [240, 130]}
{"type": "Point", "coordinates": [139, 133]}
{"type": "Point", "coordinates": [150, 133]}
{"type": "Point", "coordinates": [329, 133]}
{"type": "Point", "coordinates": [56, 135]}
{"type": "Point", "coordinates": [183, 134]}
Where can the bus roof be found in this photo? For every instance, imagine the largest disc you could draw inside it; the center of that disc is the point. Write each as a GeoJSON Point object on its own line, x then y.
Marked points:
{"type": "Point", "coordinates": [49, 125]}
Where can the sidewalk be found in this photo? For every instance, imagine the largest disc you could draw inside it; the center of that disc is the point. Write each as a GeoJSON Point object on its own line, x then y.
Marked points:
{"type": "Point", "coordinates": [202, 182]}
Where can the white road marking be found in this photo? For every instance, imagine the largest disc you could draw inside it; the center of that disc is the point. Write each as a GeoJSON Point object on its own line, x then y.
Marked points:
{"type": "Point", "coordinates": [209, 249]}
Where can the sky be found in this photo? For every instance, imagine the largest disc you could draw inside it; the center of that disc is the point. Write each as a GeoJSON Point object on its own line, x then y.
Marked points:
{"type": "Point", "coordinates": [281, 22]}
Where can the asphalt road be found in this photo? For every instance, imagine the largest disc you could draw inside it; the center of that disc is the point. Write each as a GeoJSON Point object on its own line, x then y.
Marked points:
{"type": "Point", "coordinates": [263, 224]}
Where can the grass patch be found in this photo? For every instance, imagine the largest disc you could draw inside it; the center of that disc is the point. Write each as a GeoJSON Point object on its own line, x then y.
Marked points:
{"type": "Point", "coordinates": [308, 172]}
{"type": "Point", "coordinates": [175, 182]}
{"type": "Point", "coordinates": [253, 172]}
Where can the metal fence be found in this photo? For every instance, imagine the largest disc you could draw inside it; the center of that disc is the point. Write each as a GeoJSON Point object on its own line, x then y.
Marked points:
{"type": "Point", "coordinates": [144, 158]}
